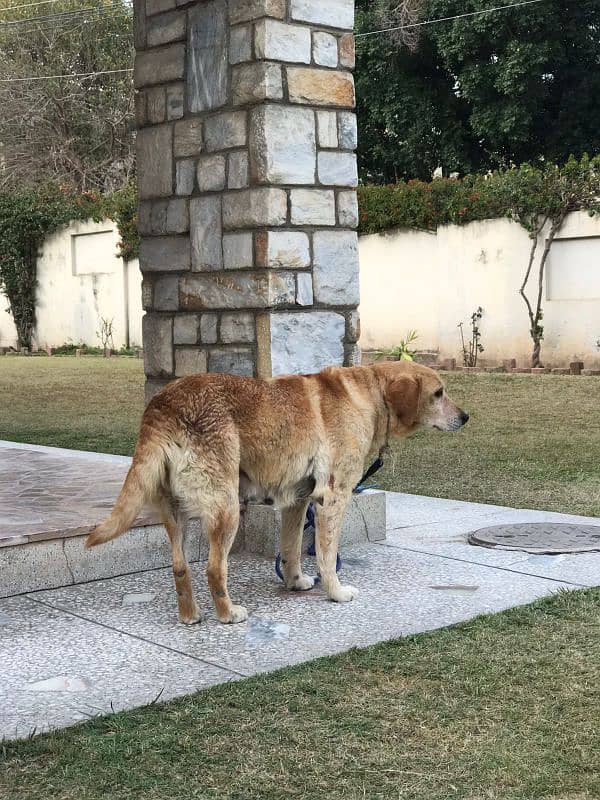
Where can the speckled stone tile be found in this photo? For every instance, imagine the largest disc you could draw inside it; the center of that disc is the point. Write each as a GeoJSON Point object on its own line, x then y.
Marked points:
{"type": "Point", "coordinates": [56, 669]}
{"type": "Point", "coordinates": [449, 539]}
{"type": "Point", "coordinates": [400, 593]}
{"type": "Point", "coordinates": [405, 510]}
{"type": "Point", "coordinates": [579, 568]}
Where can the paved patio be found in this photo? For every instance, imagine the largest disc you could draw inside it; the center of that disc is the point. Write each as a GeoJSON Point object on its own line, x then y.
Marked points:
{"type": "Point", "coordinates": [70, 653]}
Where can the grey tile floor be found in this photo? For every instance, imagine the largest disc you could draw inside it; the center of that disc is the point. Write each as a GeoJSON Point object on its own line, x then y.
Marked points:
{"type": "Point", "coordinates": [70, 653]}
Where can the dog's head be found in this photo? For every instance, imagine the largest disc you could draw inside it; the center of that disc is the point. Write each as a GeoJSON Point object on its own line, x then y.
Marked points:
{"type": "Point", "coordinates": [417, 399]}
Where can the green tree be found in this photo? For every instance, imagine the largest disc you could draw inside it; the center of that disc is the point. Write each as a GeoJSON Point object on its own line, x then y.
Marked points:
{"type": "Point", "coordinates": [479, 92]}
{"type": "Point", "coordinates": [76, 130]}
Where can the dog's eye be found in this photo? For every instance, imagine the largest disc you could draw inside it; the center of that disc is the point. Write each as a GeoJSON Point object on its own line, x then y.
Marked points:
{"type": "Point", "coordinates": [439, 393]}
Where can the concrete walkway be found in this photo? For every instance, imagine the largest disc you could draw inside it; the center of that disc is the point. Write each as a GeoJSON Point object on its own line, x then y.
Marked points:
{"type": "Point", "coordinates": [71, 653]}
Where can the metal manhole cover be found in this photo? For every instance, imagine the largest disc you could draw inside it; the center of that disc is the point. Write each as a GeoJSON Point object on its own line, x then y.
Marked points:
{"type": "Point", "coordinates": [539, 537]}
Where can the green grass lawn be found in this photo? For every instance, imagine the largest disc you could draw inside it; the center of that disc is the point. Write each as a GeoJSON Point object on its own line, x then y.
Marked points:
{"type": "Point", "coordinates": [533, 441]}
{"type": "Point", "coordinates": [500, 708]}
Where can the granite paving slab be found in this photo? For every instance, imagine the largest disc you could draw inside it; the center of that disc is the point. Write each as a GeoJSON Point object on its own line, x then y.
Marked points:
{"type": "Point", "coordinates": [57, 669]}
{"type": "Point", "coordinates": [400, 593]}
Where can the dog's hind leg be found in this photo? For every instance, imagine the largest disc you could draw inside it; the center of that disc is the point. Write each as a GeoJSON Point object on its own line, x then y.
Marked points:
{"type": "Point", "coordinates": [221, 528]}
{"type": "Point", "coordinates": [174, 521]}
{"type": "Point", "coordinates": [292, 525]}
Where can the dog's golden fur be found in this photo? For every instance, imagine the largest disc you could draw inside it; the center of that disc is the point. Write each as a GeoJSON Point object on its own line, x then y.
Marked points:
{"type": "Point", "coordinates": [207, 439]}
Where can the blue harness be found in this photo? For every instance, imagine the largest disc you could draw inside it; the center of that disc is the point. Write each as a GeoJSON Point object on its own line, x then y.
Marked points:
{"type": "Point", "coordinates": [309, 523]}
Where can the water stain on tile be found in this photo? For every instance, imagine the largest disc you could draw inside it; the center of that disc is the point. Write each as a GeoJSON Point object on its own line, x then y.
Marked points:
{"type": "Point", "coordinates": [138, 598]}
{"type": "Point", "coordinates": [62, 683]}
{"type": "Point", "coordinates": [262, 629]}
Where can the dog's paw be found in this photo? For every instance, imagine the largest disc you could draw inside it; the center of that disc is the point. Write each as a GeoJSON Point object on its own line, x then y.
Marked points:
{"type": "Point", "coordinates": [343, 594]}
{"type": "Point", "coordinates": [191, 620]}
{"type": "Point", "coordinates": [235, 614]}
{"type": "Point", "coordinates": [301, 583]}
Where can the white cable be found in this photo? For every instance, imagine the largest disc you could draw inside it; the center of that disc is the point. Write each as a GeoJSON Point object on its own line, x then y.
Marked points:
{"type": "Point", "coordinates": [61, 15]}
{"type": "Point", "coordinates": [67, 75]}
{"type": "Point", "coordinates": [447, 19]}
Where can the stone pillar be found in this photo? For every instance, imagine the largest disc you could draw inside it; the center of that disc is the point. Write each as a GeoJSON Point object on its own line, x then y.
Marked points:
{"type": "Point", "coordinates": [247, 177]}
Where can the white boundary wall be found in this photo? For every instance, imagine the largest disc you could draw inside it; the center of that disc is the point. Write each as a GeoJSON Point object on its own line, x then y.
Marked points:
{"type": "Point", "coordinates": [430, 282]}
{"type": "Point", "coordinates": [80, 280]}
{"type": "Point", "coordinates": [409, 280]}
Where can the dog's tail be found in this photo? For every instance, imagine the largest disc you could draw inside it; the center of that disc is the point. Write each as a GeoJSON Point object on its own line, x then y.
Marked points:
{"type": "Point", "coordinates": [142, 484]}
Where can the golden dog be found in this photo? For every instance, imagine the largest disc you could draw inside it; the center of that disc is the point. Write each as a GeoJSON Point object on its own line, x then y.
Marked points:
{"type": "Point", "coordinates": [206, 440]}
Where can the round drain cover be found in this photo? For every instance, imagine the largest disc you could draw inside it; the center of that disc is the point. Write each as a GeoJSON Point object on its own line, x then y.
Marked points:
{"type": "Point", "coordinates": [539, 537]}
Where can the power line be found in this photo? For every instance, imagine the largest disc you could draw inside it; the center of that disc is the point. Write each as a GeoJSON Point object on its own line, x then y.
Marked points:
{"type": "Point", "coordinates": [67, 75]}
{"type": "Point", "coordinates": [30, 5]}
{"type": "Point", "coordinates": [448, 19]}
{"type": "Point", "coordinates": [62, 15]}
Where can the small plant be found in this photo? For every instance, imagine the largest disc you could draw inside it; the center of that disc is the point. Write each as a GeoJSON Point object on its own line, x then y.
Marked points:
{"type": "Point", "coordinates": [473, 348]}
{"type": "Point", "coordinates": [105, 335]}
{"type": "Point", "coordinates": [401, 352]}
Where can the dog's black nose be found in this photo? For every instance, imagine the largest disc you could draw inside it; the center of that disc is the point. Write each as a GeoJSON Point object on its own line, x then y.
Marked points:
{"type": "Point", "coordinates": [464, 417]}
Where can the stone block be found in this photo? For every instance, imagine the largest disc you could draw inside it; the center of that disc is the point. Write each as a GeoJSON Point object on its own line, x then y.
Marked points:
{"type": "Point", "coordinates": [347, 205]}
{"type": "Point", "coordinates": [147, 294]}
{"type": "Point", "coordinates": [251, 83]}
{"type": "Point", "coordinates": [139, 24]}
{"type": "Point", "coordinates": [576, 367]}
{"type": "Point", "coordinates": [509, 363]}
{"type": "Point", "coordinates": [312, 207]}
{"type": "Point", "coordinates": [336, 268]}
{"type": "Point", "coordinates": [555, 371]}
{"type": "Point", "coordinates": [139, 100]}
{"type": "Point", "coordinates": [187, 138]}
{"type": "Point", "coordinates": [156, 105]}
{"type": "Point", "coordinates": [282, 145]}
{"type": "Point", "coordinates": [158, 216]}
{"type": "Point", "coordinates": [238, 171]}
{"type": "Point", "coordinates": [189, 361]}
{"type": "Point", "coordinates": [246, 10]}
{"type": "Point", "coordinates": [178, 218]}
{"type": "Point", "coordinates": [205, 233]}
{"type": "Point", "coordinates": [165, 254]}
{"type": "Point", "coordinates": [156, 180]}
{"type": "Point", "coordinates": [153, 387]}
{"type": "Point", "coordinates": [282, 250]}
{"type": "Point", "coordinates": [145, 217]}
{"type": "Point", "coordinates": [240, 44]}
{"type": "Point", "coordinates": [348, 132]}
{"type": "Point", "coordinates": [304, 289]}
{"type": "Point", "coordinates": [211, 173]}
{"type": "Point", "coordinates": [540, 371]}
{"type": "Point", "coordinates": [226, 130]}
{"type": "Point", "coordinates": [352, 327]}
{"type": "Point", "coordinates": [157, 331]}
{"type": "Point", "coordinates": [347, 51]}
{"type": "Point", "coordinates": [306, 342]}
{"type": "Point", "coordinates": [175, 101]}
{"type": "Point", "coordinates": [254, 208]}
{"type": "Point", "coordinates": [231, 360]}
{"type": "Point", "coordinates": [208, 58]}
{"type": "Point", "coordinates": [279, 41]}
{"type": "Point", "coordinates": [327, 129]}
{"type": "Point", "coordinates": [237, 328]}
{"type": "Point", "coordinates": [166, 293]}
{"type": "Point", "coordinates": [337, 169]}
{"type": "Point", "coordinates": [158, 6]}
{"type": "Point", "coordinates": [185, 173]}
{"type": "Point", "coordinates": [159, 66]}
{"type": "Point", "coordinates": [166, 28]}
{"type": "Point", "coordinates": [185, 328]}
{"type": "Point", "coordinates": [334, 13]}
{"type": "Point", "coordinates": [590, 372]}
{"type": "Point", "coordinates": [208, 328]}
{"type": "Point", "coordinates": [325, 49]}
{"type": "Point", "coordinates": [237, 250]}
{"type": "Point", "coordinates": [236, 290]}
{"type": "Point", "coordinates": [320, 87]}
{"type": "Point", "coordinates": [449, 364]}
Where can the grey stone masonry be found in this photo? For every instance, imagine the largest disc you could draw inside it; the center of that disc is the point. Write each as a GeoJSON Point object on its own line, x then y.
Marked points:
{"type": "Point", "coordinates": [247, 180]}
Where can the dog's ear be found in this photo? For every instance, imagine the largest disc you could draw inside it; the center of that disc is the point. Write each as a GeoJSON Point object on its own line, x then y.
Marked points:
{"type": "Point", "coordinates": [403, 394]}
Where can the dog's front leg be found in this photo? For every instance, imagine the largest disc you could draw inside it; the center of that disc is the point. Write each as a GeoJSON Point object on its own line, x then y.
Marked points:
{"type": "Point", "coordinates": [292, 526]}
{"type": "Point", "coordinates": [329, 518]}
